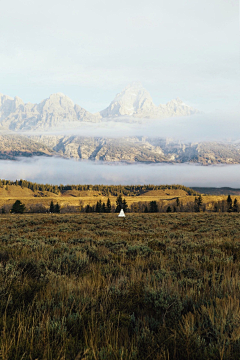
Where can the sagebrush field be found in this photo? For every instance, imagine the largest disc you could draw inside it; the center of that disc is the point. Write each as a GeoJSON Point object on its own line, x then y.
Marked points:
{"type": "Point", "coordinates": [93, 286]}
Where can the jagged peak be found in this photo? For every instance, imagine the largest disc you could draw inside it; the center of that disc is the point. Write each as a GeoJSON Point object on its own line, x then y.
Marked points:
{"type": "Point", "coordinates": [135, 100]}
{"type": "Point", "coordinates": [57, 98]}
{"type": "Point", "coordinates": [135, 85]}
{"type": "Point", "coordinates": [59, 94]}
{"type": "Point", "coordinates": [18, 99]}
{"type": "Point", "coordinates": [177, 100]}
{"type": "Point", "coordinates": [134, 89]}
{"type": "Point", "coordinates": [6, 96]}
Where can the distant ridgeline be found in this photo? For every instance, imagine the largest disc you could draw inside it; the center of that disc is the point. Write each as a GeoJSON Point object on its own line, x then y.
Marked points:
{"type": "Point", "coordinates": [217, 191]}
{"type": "Point", "coordinates": [105, 190]}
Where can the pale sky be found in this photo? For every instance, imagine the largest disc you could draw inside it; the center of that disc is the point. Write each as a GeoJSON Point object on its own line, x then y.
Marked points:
{"type": "Point", "coordinates": [90, 50]}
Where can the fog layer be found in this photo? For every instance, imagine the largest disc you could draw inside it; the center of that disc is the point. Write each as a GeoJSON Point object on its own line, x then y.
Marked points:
{"type": "Point", "coordinates": [62, 171]}
{"type": "Point", "coordinates": [195, 128]}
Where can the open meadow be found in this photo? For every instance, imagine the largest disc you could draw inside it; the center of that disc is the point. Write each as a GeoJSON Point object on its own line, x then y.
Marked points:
{"type": "Point", "coordinates": [93, 286]}
{"type": "Point", "coordinates": [37, 197]}
{"type": "Point", "coordinates": [75, 198]}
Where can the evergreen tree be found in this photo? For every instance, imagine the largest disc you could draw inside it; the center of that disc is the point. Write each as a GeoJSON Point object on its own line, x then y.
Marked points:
{"type": "Point", "coordinates": [124, 205]}
{"type": "Point", "coordinates": [153, 207]}
{"type": "Point", "coordinates": [57, 208]}
{"type": "Point", "coordinates": [18, 207]}
{"type": "Point", "coordinates": [52, 208]}
{"type": "Point", "coordinates": [198, 203]}
{"type": "Point", "coordinates": [146, 209]}
{"type": "Point", "coordinates": [169, 209]}
{"type": "Point", "coordinates": [109, 206]}
{"type": "Point", "coordinates": [99, 206]}
{"type": "Point", "coordinates": [235, 206]}
{"type": "Point", "coordinates": [119, 203]}
{"type": "Point", "coordinates": [229, 203]}
{"type": "Point", "coordinates": [103, 208]}
{"type": "Point", "coordinates": [177, 202]}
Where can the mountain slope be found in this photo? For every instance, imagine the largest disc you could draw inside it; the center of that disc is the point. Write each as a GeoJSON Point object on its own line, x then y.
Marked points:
{"type": "Point", "coordinates": [135, 101]}
{"type": "Point", "coordinates": [129, 149]}
{"type": "Point", "coordinates": [141, 149]}
{"type": "Point", "coordinates": [13, 146]}
{"type": "Point", "coordinates": [56, 111]}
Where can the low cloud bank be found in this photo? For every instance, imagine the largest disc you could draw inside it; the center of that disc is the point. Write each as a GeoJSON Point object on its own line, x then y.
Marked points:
{"type": "Point", "coordinates": [202, 127]}
{"type": "Point", "coordinates": [62, 171]}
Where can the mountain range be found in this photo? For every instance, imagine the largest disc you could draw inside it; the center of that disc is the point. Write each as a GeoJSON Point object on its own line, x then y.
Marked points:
{"type": "Point", "coordinates": [128, 149]}
{"type": "Point", "coordinates": [59, 111]}
{"type": "Point", "coordinates": [134, 103]}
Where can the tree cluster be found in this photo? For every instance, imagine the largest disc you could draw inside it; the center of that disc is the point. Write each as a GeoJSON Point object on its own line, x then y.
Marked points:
{"type": "Point", "coordinates": [101, 207]}
{"type": "Point", "coordinates": [137, 207]}
{"type": "Point", "coordinates": [54, 208]}
{"type": "Point", "coordinates": [227, 205]}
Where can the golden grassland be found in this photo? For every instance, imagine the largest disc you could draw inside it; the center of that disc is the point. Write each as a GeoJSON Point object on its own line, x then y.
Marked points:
{"type": "Point", "coordinates": [10, 193]}
{"type": "Point", "coordinates": [96, 287]}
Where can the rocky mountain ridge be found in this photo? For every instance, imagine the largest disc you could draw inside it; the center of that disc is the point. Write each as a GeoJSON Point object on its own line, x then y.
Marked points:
{"type": "Point", "coordinates": [14, 146]}
{"type": "Point", "coordinates": [59, 110]}
{"type": "Point", "coordinates": [141, 149]}
{"type": "Point", "coordinates": [128, 149]}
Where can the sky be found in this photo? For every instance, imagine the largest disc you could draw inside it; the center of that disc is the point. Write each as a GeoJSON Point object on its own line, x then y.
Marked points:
{"type": "Point", "coordinates": [90, 50]}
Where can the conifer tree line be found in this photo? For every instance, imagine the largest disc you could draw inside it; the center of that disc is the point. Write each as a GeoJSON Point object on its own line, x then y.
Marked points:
{"type": "Point", "coordinates": [120, 191]}
{"type": "Point", "coordinates": [177, 205]}
{"type": "Point", "coordinates": [101, 207]}
{"type": "Point", "coordinates": [159, 206]}
{"type": "Point", "coordinates": [105, 190]}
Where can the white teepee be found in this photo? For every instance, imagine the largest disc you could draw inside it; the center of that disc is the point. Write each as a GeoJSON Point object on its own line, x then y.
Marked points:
{"type": "Point", "coordinates": [121, 214]}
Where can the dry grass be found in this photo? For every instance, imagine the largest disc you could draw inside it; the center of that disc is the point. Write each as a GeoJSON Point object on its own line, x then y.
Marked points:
{"type": "Point", "coordinates": [94, 287]}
